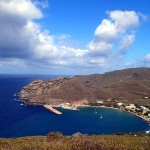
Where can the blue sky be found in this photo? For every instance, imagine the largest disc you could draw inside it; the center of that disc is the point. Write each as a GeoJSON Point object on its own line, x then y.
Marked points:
{"type": "Point", "coordinates": [73, 36]}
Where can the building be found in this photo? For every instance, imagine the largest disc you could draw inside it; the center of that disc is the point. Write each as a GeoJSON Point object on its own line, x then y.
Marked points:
{"type": "Point", "coordinates": [99, 102]}
{"type": "Point", "coordinates": [145, 110]}
{"type": "Point", "coordinates": [132, 106]}
{"type": "Point", "coordinates": [119, 104]}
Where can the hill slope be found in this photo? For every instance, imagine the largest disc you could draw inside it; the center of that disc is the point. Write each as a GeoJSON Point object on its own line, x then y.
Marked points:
{"type": "Point", "coordinates": [130, 85]}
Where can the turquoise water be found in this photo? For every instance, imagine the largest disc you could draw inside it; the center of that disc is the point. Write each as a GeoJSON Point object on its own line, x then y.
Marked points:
{"type": "Point", "coordinates": [17, 120]}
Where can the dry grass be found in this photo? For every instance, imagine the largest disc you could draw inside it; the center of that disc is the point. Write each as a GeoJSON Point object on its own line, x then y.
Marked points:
{"type": "Point", "coordinates": [105, 142]}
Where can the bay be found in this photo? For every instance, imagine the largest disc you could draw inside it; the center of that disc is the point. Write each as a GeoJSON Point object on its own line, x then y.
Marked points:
{"type": "Point", "coordinates": [17, 120]}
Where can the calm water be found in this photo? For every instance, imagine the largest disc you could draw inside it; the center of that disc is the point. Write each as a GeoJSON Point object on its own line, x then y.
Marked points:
{"type": "Point", "coordinates": [17, 120]}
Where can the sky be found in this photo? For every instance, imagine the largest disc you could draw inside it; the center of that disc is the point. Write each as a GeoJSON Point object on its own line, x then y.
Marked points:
{"type": "Point", "coordinates": [69, 37]}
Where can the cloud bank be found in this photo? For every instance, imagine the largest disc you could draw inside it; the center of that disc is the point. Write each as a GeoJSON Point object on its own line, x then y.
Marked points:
{"type": "Point", "coordinates": [24, 43]}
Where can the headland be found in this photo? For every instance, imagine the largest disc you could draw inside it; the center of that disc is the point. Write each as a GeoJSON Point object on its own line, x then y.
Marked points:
{"type": "Point", "coordinates": [127, 90]}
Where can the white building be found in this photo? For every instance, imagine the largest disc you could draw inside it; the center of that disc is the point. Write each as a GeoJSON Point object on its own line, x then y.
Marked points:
{"type": "Point", "coordinates": [99, 102]}
{"type": "Point", "coordinates": [145, 110]}
{"type": "Point", "coordinates": [119, 104]}
{"type": "Point", "coordinates": [132, 106]}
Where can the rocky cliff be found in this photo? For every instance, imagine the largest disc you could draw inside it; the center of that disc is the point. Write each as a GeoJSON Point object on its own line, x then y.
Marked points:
{"type": "Point", "coordinates": [128, 85]}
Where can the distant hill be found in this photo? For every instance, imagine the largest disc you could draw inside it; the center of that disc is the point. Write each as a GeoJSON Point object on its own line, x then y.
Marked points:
{"type": "Point", "coordinates": [128, 85]}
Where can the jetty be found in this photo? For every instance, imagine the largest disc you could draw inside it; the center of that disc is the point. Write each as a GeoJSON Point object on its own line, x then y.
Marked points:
{"type": "Point", "coordinates": [50, 107]}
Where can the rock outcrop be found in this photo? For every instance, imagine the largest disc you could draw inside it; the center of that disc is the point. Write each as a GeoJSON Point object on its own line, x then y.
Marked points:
{"type": "Point", "coordinates": [52, 136]}
{"type": "Point", "coordinates": [79, 135]}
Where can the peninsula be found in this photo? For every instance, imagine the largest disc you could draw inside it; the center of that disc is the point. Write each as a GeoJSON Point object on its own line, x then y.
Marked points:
{"type": "Point", "coordinates": [127, 89]}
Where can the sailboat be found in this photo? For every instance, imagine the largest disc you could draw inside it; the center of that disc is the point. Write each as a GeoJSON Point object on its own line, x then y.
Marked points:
{"type": "Point", "coordinates": [101, 116]}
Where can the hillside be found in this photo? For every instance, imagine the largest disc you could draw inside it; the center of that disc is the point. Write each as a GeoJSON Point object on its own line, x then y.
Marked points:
{"type": "Point", "coordinates": [128, 85]}
{"type": "Point", "coordinates": [77, 142]}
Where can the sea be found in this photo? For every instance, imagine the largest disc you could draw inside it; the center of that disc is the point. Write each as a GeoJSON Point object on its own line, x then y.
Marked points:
{"type": "Point", "coordinates": [18, 120]}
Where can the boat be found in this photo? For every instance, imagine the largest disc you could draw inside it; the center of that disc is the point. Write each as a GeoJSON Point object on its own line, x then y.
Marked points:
{"type": "Point", "coordinates": [147, 132]}
{"type": "Point", "coordinates": [95, 112]}
{"type": "Point", "coordinates": [101, 116]}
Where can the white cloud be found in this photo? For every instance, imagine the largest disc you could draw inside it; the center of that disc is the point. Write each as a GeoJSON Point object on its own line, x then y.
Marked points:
{"type": "Point", "coordinates": [124, 19]}
{"type": "Point", "coordinates": [43, 4]}
{"type": "Point", "coordinates": [102, 62]}
{"type": "Point", "coordinates": [147, 58]}
{"type": "Point", "coordinates": [126, 42]}
{"type": "Point", "coordinates": [117, 32]}
{"type": "Point", "coordinates": [22, 40]}
{"type": "Point", "coordinates": [64, 36]}
{"type": "Point", "coordinates": [107, 30]}
{"type": "Point", "coordinates": [26, 41]}
{"type": "Point", "coordinates": [17, 29]}
{"type": "Point", "coordinates": [21, 9]}
{"type": "Point", "coordinates": [11, 62]}
{"type": "Point", "coordinates": [143, 62]}
{"type": "Point", "coordinates": [100, 47]}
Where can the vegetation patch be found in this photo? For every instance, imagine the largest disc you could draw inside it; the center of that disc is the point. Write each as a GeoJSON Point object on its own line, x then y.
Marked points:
{"type": "Point", "coordinates": [78, 141]}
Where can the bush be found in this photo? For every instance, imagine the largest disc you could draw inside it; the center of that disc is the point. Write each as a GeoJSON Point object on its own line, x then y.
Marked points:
{"type": "Point", "coordinates": [54, 136]}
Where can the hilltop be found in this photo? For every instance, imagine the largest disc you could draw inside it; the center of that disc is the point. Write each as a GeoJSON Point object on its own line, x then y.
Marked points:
{"type": "Point", "coordinates": [127, 86]}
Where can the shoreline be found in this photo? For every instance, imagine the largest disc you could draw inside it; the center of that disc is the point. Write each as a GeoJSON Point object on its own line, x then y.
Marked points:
{"type": "Point", "coordinates": [141, 117]}
{"type": "Point", "coordinates": [52, 109]}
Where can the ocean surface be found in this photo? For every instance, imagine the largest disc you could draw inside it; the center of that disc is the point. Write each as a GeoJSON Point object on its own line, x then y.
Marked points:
{"type": "Point", "coordinates": [17, 120]}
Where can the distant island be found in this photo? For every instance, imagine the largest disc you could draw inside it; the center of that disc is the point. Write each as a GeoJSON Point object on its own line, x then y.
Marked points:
{"type": "Point", "coordinates": [127, 90]}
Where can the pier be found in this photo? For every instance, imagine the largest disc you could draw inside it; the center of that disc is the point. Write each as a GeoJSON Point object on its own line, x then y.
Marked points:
{"type": "Point", "coordinates": [50, 107]}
